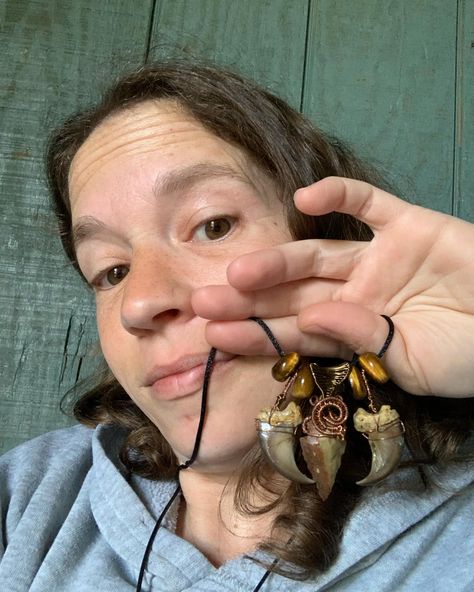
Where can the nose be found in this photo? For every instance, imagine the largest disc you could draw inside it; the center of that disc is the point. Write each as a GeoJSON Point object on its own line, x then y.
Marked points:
{"type": "Point", "coordinates": [156, 291]}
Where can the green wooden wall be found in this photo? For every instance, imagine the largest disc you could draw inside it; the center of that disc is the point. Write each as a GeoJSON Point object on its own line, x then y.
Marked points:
{"type": "Point", "coordinates": [392, 77]}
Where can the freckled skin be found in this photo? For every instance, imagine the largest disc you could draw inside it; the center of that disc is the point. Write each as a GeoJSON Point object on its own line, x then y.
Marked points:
{"type": "Point", "coordinates": [147, 318]}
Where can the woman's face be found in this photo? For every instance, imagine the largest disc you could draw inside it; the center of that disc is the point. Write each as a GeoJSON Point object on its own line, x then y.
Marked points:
{"type": "Point", "coordinates": [161, 207]}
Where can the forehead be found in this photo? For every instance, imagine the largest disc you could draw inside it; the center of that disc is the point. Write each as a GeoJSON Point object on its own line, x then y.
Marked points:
{"type": "Point", "coordinates": [153, 127]}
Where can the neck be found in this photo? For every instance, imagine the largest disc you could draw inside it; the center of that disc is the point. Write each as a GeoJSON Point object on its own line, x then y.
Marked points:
{"type": "Point", "coordinates": [208, 520]}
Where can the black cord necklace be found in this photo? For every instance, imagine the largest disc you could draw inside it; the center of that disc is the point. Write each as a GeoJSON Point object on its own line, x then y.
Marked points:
{"type": "Point", "coordinates": [189, 462]}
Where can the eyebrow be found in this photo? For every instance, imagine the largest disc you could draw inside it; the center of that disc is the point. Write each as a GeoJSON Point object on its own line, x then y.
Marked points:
{"type": "Point", "coordinates": [88, 227]}
{"type": "Point", "coordinates": [185, 177]}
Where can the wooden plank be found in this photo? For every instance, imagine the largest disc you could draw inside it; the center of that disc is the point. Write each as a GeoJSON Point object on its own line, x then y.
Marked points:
{"type": "Point", "coordinates": [56, 55]}
{"type": "Point", "coordinates": [381, 75]}
{"type": "Point", "coordinates": [463, 196]}
{"type": "Point", "coordinates": [262, 39]}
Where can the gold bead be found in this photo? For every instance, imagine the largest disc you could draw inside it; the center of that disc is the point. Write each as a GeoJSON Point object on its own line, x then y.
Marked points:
{"type": "Point", "coordinates": [285, 366]}
{"type": "Point", "coordinates": [371, 363]}
{"type": "Point", "coordinates": [304, 383]}
{"type": "Point", "coordinates": [359, 390]}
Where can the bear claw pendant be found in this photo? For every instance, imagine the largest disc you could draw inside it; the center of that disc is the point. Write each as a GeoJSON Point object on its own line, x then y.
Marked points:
{"type": "Point", "coordinates": [276, 434]}
{"type": "Point", "coordinates": [384, 430]}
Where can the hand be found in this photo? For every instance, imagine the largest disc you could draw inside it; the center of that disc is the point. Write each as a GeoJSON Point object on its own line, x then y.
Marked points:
{"type": "Point", "coordinates": [325, 298]}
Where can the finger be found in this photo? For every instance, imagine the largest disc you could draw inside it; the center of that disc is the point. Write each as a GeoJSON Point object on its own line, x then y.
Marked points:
{"type": "Point", "coordinates": [225, 303]}
{"type": "Point", "coordinates": [365, 202]}
{"type": "Point", "coordinates": [359, 328]}
{"type": "Point", "coordinates": [248, 338]}
{"type": "Point", "coordinates": [330, 259]}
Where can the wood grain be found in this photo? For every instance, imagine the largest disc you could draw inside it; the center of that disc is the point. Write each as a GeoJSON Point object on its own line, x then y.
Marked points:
{"type": "Point", "coordinates": [381, 74]}
{"type": "Point", "coordinates": [463, 189]}
{"type": "Point", "coordinates": [55, 58]}
{"type": "Point", "coordinates": [264, 39]}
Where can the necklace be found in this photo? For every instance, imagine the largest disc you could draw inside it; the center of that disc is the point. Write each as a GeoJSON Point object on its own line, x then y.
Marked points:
{"type": "Point", "coordinates": [189, 462]}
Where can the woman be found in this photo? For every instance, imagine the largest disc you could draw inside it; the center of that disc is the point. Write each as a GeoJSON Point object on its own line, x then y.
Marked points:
{"type": "Point", "coordinates": [178, 199]}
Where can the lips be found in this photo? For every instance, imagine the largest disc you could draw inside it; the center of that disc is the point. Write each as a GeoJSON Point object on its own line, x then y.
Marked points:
{"type": "Point", "coordinates": [183, 377]}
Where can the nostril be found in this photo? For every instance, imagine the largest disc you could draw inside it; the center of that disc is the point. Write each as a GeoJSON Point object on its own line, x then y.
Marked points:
{"type": "Point", "coordinates": [171, 313]}
{"type": "Point", "coordinates": [144, 318]}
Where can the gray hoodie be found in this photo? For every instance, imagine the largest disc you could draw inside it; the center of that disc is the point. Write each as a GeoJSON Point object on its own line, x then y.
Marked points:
{"type": "Point", "coordinates": [73, 522]}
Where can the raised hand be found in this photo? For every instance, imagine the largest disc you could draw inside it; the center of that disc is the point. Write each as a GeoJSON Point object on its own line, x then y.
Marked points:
{"type": "Point", "coordinates": [325, 298]}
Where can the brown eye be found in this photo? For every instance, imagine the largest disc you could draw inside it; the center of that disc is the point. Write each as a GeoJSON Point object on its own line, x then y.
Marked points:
{"type": "Point", "coordinates": [115, 275]}
{"type": "Point", "coordinates": [214, 229]}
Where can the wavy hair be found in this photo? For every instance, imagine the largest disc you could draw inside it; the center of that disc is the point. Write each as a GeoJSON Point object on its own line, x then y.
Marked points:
{"type": "Point", "coordinates": [294, 154]}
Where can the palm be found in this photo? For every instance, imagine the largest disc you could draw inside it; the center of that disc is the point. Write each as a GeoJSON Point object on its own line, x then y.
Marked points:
{"type": "Point", "coordinates": [419, 270]}
{"type": "Point", "coordinates": [325, 297]}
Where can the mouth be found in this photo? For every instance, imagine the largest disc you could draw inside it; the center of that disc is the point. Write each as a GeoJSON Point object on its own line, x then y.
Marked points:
{"type": "Point", "coordinates": [183, 377]}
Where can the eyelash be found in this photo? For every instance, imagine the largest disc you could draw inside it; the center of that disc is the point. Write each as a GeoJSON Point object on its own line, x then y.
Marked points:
{"type": "Point", "coordinates": [95, 283]}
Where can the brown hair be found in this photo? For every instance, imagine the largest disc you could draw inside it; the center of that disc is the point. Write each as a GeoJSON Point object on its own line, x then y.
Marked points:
{"type": "Point", "coordinates": [289, 149]}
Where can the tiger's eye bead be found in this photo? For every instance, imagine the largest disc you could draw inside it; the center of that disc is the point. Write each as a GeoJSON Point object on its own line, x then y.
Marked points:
{"type": "Point", "coordinates": [371, 363]}
{"type": "Point", "coordinates": [285, 366]}
{"type": "Point", "coordinates": [356, 381]}
{"type": "Point", "coordinates": [304, 383]}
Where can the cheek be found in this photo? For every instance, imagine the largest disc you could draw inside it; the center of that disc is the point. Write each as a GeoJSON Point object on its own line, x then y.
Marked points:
{"type": "Point", "coordinates": [234, 404]}
{"type": "Point", "coordinates": [244, 392]}
{"type": "Point", "coordinates": [104, 327]}
{"type": "Point", "coordinates": [111, 335]}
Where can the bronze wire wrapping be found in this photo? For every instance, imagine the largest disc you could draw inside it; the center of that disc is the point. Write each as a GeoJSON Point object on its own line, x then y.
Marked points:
{"type": "Point", "coordinates": [330, 413]}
